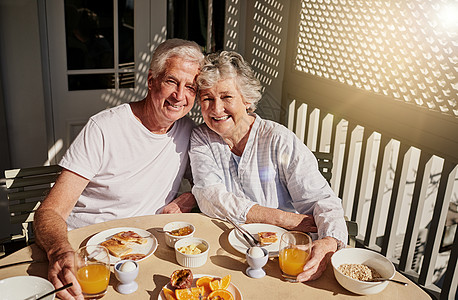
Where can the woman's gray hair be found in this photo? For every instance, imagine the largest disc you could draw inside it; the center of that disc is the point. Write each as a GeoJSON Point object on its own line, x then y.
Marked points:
{"type": "Point", "coordinates": [186, 50]}
{"type": "Point", "coordinates": [230, 64]}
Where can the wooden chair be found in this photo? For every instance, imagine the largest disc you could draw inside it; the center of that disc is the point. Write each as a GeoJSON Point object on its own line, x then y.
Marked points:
{"type": "Point", "coordinates": [325, 166]}
{"type": "Point", "coordinates": [26, 188]}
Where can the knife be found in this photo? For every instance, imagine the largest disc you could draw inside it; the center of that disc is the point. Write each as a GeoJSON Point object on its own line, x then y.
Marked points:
{"type": "Point", "coordinates": [246, 235]}
{"type": "Point", "coordinates": [16, 263]}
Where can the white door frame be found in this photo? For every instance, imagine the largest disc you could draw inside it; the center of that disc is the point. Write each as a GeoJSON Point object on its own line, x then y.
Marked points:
{"type": "Point", "coordinates": [66, 112]}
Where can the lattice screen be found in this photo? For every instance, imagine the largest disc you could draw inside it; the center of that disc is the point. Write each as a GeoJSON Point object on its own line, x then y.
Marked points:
{"type": "Point", "coordinates": [268, 23]}
{"type": "Point", "coordinates": [405, 49]}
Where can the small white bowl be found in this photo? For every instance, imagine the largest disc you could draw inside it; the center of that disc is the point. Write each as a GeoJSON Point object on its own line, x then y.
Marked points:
{"type": "Point", "coordinates": [191, 260]}
{"type": "Point", "coordinates": [170, 239]}
{"type": "Point", "coordinates": [367, 257]}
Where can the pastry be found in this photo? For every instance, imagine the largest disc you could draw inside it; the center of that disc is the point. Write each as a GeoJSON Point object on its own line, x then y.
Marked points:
{"type": "Point", "coordinates": [116, 248]}
{"type": "Point", "coordinates": [129, 237]}
{"type": "Point", "coordinates": [267, 237]}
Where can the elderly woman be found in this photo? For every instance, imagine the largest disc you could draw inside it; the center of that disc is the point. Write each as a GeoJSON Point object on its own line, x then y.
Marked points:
{"type": "Point", "coordinates": [258, 171]}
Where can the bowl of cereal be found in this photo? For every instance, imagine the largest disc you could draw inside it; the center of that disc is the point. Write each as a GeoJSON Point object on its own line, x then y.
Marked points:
{"type": "Point", "coordinates": [191, 252]}
{"type": "Point", "coordinates": [354, 268]}
{"type": "Point", "coordinates": [175, 231]}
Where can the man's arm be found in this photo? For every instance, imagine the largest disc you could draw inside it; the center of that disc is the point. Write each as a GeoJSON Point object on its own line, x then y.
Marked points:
{"type": "Point", "coordinates": [182, 204]}
{"type": "Point", "coordinates": [277, 217]}
{"type": "Point", "coordinates": [51, 231]}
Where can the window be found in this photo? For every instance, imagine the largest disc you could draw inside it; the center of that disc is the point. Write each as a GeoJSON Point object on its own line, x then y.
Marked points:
{"type": "Point", "coordinates": [100, 44]}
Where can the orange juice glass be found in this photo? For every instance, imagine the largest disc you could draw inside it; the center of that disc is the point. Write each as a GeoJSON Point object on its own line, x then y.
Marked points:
{"type": "Point", "coordinates": [294, 253]}
{"type": "Point", "coordinates": [92, 265]}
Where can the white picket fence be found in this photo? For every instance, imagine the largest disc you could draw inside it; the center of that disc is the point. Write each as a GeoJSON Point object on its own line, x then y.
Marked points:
{"type": "Point", "coordinates": [398, 194]}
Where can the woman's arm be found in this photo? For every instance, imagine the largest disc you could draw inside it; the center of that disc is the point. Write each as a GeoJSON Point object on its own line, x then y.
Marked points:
{"type": "Point", "coordinates": [209, 158]}
{"type": "Point", "coordinates": [277, 217]}
{"type": "Point", "coordinates": [310, 192]}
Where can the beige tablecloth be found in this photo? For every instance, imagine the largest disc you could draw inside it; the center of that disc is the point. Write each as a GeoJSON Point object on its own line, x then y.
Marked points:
{"type": "Point", "coordinates": [223, 259]}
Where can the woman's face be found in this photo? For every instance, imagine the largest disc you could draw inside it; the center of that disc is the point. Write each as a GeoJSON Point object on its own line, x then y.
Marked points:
{"type": "Point", "coordinates": [224, 109]}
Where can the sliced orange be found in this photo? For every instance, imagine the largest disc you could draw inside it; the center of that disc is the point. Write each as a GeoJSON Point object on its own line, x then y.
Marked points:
{"type": "Point", "coordinates": [204, 282]}
{"type": "Point", "coordinates": [220, 295]}
{"type": "Point", "coordinates": [169, 294]}
{"type": "Point", "coordinates": [194, 293]}
{"type": "Point", "coordinates": [215, 284]}
{"type": "Point", "coordinates": [225, 281]}
{"type": "Point", "coordinates": [220, 284]}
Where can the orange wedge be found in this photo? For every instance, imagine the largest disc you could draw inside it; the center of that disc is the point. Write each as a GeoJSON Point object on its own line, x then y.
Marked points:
{"type": "Point", "coordinates": [169, 294]}
{"type": "Point", "coordinates": [220, 284]}
{"type": "Point", "coordinates": [220, 295]}
{"type": "Point", "coordinates": [194, 293]}
{"type": "Point", "coordinates": [225, 281]}
{"type": "Point", "coordinates": [215, 284]}
{"type": "Point", "coordinates": [204, 282]}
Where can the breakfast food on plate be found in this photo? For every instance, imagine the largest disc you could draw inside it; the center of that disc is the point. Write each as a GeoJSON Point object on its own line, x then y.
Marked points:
{"type": "Point", "coordinates": [181, 279]}
{"type": "Point", "coordinates": [267, 237]}
{"type": "Point", "coordinates": [129, 237]}
{"type": "Point", "coordinates": [182, 231]}
{"type": "Point", "coordinates": [220, 295]}
{"type": "Point", "coordinates": [193, 249]}
{"type": "Point", "coordinates": [206, 287]}
{"type": "Point", "coordinates": [123, 243]}
{"type": "Point", "coordinates": [116, 248]}
{"type": "Point", "coordinates": [133, 256]}
{"type": "Point", "coordinates": [359, 272]}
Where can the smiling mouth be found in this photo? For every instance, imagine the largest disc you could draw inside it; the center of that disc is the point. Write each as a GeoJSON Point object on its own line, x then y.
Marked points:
{"type": "Point", "coordinates": [221, 118]}
{"type": "Point", "coordinates": [175, 106]}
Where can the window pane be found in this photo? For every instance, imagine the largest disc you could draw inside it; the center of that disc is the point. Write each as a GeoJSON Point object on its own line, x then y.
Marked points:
{"type": "Point", "coordinates": [126, 80]}
{"type": "Point", "coordinates": [187, 19]}
{"type": "Point", "coordinates": [89, 34]}
{"type": "Point", "coordinates": [91, 82]}
{"type": "Point", "coordinates": [126, 33]}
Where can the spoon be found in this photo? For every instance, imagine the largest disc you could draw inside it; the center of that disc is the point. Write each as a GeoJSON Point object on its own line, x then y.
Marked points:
{"type": "Point", "coordinates": [387, 279]}
{"type": "Point", "coordinates": [164, 231]}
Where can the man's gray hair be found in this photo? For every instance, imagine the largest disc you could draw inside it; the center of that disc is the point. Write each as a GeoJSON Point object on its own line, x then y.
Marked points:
{"type": "Point", "coordinates": [184, 49]}
{"type": "Point", "coordinates": [230, 64]}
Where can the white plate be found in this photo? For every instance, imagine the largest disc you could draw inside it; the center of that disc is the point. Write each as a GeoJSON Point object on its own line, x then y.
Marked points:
{"type": "Point", "coordinates": [231, 288]}
{"type": "Point", "coordinates": [238, 242]}
{"type": "Point", "coordinates": [146, 249]}
{"type": "Point", "coordinates": [21, 287]}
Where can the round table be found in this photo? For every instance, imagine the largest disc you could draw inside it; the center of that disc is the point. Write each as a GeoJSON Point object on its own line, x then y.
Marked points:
{"type": "Point", "coordinates": [223, 259]}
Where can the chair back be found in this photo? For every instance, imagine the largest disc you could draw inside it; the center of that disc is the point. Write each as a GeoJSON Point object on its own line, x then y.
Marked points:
{"type": "Point", "coordinates": [26, 188]}
{"type": "Point", "coordinates": [324, 164]}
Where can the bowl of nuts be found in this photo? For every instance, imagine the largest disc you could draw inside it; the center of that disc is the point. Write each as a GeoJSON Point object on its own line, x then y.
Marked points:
{"type": "Point", "coordinates": [358, 269]}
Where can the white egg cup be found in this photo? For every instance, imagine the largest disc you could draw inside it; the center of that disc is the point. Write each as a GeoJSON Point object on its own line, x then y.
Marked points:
{"type": "Point", "coordinates": [127, 284]}
{"type": "Point", "coordinates": [255, 269]}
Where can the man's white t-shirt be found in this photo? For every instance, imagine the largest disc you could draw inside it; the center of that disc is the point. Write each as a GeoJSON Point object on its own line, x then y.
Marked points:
{"type": "Point", "coordinates": [131, 171]}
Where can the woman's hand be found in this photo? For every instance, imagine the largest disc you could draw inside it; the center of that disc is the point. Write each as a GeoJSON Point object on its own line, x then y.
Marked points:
{"type": "Point", "coordinates": [322, 251]}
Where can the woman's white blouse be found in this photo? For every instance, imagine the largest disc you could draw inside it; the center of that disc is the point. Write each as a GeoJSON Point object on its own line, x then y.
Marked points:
{"type": "Point", "coordinates": [275, 170]}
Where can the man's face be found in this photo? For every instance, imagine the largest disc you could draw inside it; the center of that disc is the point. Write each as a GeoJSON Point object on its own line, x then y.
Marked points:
{"type": "Point", "coordinates": [173, 92]}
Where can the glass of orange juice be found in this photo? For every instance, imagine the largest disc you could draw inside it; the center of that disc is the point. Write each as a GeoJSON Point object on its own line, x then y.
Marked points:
{"type": "Point", "coordinates": [92, 266]}
{"type": "Point", "coordinates": [295, 248]}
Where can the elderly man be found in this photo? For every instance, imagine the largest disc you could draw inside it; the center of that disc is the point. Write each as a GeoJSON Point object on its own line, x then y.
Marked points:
{"type": "Point", "coordinates": [127, 161]}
